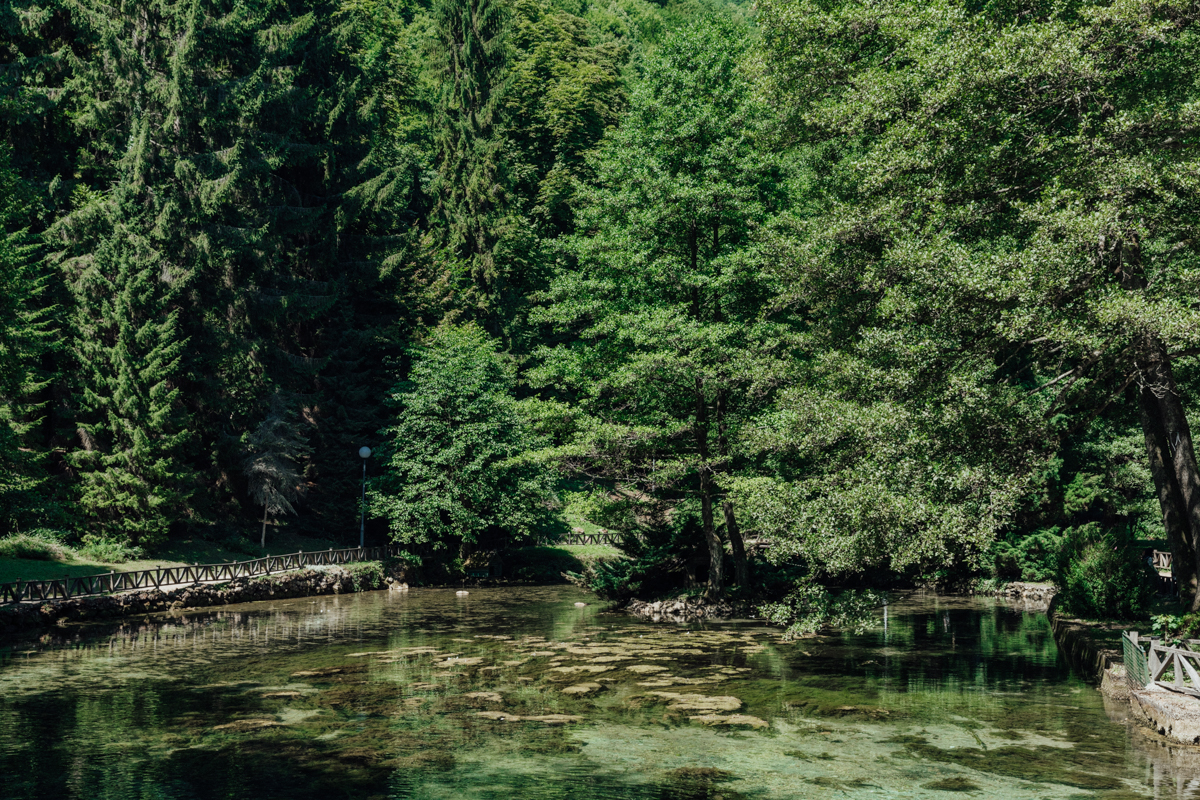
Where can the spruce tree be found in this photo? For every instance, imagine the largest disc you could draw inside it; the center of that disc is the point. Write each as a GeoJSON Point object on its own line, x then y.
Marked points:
{"type": "Point", "coordinates": [473, 188]}
{"type": "Point", "coordinates": [274, 465]}
{"type": "Point", "coordinates": [26, 335]}
{"type": "Point", "coordinates": [133, 479]}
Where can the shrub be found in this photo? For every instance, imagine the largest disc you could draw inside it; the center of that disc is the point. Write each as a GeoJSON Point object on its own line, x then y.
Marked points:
{"type": "Point", "coordinates": [1174, 629]}
{"type": "Point", "coordinates": [1031, 557]}
{"type": "Point", "coordinates": [109, 551]}
{"type": "Point", "coordinates": [40, 545]}
{"type": "Point", "coordinates": [1100, 573]}
{"type": "Point", "coordinates": [366, 575]}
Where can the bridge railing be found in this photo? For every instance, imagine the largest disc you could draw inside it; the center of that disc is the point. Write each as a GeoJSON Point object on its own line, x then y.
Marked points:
{"type": "Point", "coordinates": [84, 585]}
{"type": "Point", "coordinates": [578, 537]}
{"type": "Point", "coordinates": [1144, 667]}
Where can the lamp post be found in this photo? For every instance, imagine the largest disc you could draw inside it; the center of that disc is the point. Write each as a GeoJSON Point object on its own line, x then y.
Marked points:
{"type": "Point", "coordinates": [364, 453]}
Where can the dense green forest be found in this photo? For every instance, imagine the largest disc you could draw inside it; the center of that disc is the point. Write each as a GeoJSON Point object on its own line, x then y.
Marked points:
{"type": "Point", "coordinates": [806, 299]}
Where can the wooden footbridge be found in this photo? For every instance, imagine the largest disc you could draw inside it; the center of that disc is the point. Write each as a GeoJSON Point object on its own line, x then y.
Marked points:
{"type": "Point", "coordinates": [170, 577]}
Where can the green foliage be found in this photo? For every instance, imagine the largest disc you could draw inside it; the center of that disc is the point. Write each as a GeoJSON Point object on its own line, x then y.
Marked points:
{"type": "Point", "coordinates": [1101, 574]}
{"type": "Point", "coordinates": [1174, 629]}
{"type": "Point", "coordinates": [666, 349]}
{"type": "Point", "coordinates": [452, 476]}
{"type": "Point", "coordinates": [274, 463]}
{"type": "Point", "coordinates": [658, 559]}
{"type": "Point", "coordinates": [133, 480]}
{"type": "Point", "coordinates": [1030, 557]}
{"type": "Point", "coordinates": [366, 575]}
{"type": "Point", "coordinates": [881, 284]}
{"type": "Point", "coordinates": [26, 336]}
{"type": "Point", "coordinates": [601, 508]}
{"type": "Point", "coordinates": [109, 551]}
{"type": "Point", "coordinates": [811, 606]}
{"type": "Point", "coordinates": [40, 545]}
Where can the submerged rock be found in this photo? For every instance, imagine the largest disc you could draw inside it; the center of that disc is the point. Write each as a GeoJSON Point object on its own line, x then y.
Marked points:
{"type": "Point", "coordinates": [548, 719]}
{"type": "Point", "coordinates": [245, 725]}
{"type": "Point", "coordinates": [318, 673]}
{"type": "Point", "coordinates": [592, 668]}
{"type": "Point", "coordinates": [698, 702]}
{"type": "Point", "coordinates": [646, 669]}
{"type": "Point", "coordinates": [460, 662]}
{"type": "Point", "coordinates": [733, 720]}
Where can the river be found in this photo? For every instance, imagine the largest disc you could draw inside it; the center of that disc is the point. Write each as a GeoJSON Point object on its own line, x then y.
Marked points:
{"type": "Point", "coordinates": [520, 694]}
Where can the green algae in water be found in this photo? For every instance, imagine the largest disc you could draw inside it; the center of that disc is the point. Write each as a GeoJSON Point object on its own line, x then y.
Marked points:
{"type": "Point", "coordinates": [952, 785]}
{"type": "Point", "coordinates": [427, 696]}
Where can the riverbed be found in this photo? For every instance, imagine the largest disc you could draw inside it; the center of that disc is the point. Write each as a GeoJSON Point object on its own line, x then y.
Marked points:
{"type": "Point", "coordinates": [515, 694]}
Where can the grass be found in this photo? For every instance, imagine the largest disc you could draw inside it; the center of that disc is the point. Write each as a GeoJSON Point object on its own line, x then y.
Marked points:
{"type": "Point", "coordinates": [176, 554]}
{"type": "Point", "coordinates": [591, 552]}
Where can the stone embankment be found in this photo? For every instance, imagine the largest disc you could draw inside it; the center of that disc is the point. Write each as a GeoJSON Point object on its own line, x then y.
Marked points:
{"type": "Point", "coordinates": [682, 609]}
{"type": "Point", "coordinates": [299, 583]}
{"type": "Point", "coordinates": [1035, 596]}
{"type": "Point", "coordinates": [1093, 649]}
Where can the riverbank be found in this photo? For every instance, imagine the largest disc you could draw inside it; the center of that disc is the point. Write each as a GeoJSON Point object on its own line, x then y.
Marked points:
{"type": "Point", "coordinates": [360, 577]}
{"type": "Point", "coordinates": [1094, 649]}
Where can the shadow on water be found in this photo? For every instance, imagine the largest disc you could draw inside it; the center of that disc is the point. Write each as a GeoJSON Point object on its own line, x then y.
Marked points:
{"type": "Point", "coordinates": [522, 694]}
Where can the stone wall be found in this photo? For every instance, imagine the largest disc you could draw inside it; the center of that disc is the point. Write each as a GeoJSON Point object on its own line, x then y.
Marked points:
{"type": "Point", "coordinates": [299, 583]}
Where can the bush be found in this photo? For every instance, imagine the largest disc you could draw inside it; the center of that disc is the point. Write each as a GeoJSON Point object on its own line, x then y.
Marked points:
{"type": "Point", "coordinates": [366, 575]}
{"type": "Point", "coordinates": [108, 551]}
{"type": "Point", "coordinates": [40, 545]}
{"type": "Point", "coordinates": [1101, 574]}
{"type": "Point", "coordinates": [1031, 557]}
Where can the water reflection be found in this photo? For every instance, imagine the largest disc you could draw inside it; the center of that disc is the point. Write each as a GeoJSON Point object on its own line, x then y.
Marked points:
{"type": "Point", "coordinates": [518, 693]}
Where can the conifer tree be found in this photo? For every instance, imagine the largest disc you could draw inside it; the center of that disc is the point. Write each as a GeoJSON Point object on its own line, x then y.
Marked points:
{"type": "Point", "coordinates": [274, 466]}
{"type": "Point", "coordinates": [134, 481]}
{"type": "Point", "coordinates": [473, 202]}
{"type": "Point", "coordinates": [25, 336]}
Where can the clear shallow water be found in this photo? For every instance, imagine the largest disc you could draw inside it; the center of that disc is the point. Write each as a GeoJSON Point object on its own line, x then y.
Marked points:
{"type": "Point", "coordinates": [426, 695]}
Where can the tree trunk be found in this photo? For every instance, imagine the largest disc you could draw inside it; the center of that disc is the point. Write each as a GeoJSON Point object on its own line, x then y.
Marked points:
{"type": "Point", "coordinates": [1183, 552]}
{"type": "Point", "coordinates": [264, 530]}
{"type": "Point", "coordinates": [741, 569]}
{"type": "Point", "coordinates": [716, 550]}
{"type": "Point", "coordinates": [741, 566]}
{"type": "Point", "coordinates": [1159, 381]}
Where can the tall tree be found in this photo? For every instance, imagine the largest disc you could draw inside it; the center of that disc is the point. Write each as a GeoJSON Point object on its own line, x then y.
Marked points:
{"type": "Point", "coordinates": [997, 243]}
{"type": "Point", "coordinates": [453, 478]}
{"type": "Point", "coordinates": [274, 464]}
{"type": "Point", "coordinates": [473, 202]}
{"type": "Point", "coordinates": [265, 165]}
{"type": "Point", "coordinates": [134, 480]}
{"type": "Point", "coordinates": [669, 350]}
{"type": "Point", "coordinates": [26, 334]}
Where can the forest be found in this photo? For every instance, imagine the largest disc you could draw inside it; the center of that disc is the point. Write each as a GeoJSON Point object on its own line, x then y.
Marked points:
{"type": "Point", "coordinates": [805, 299]}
